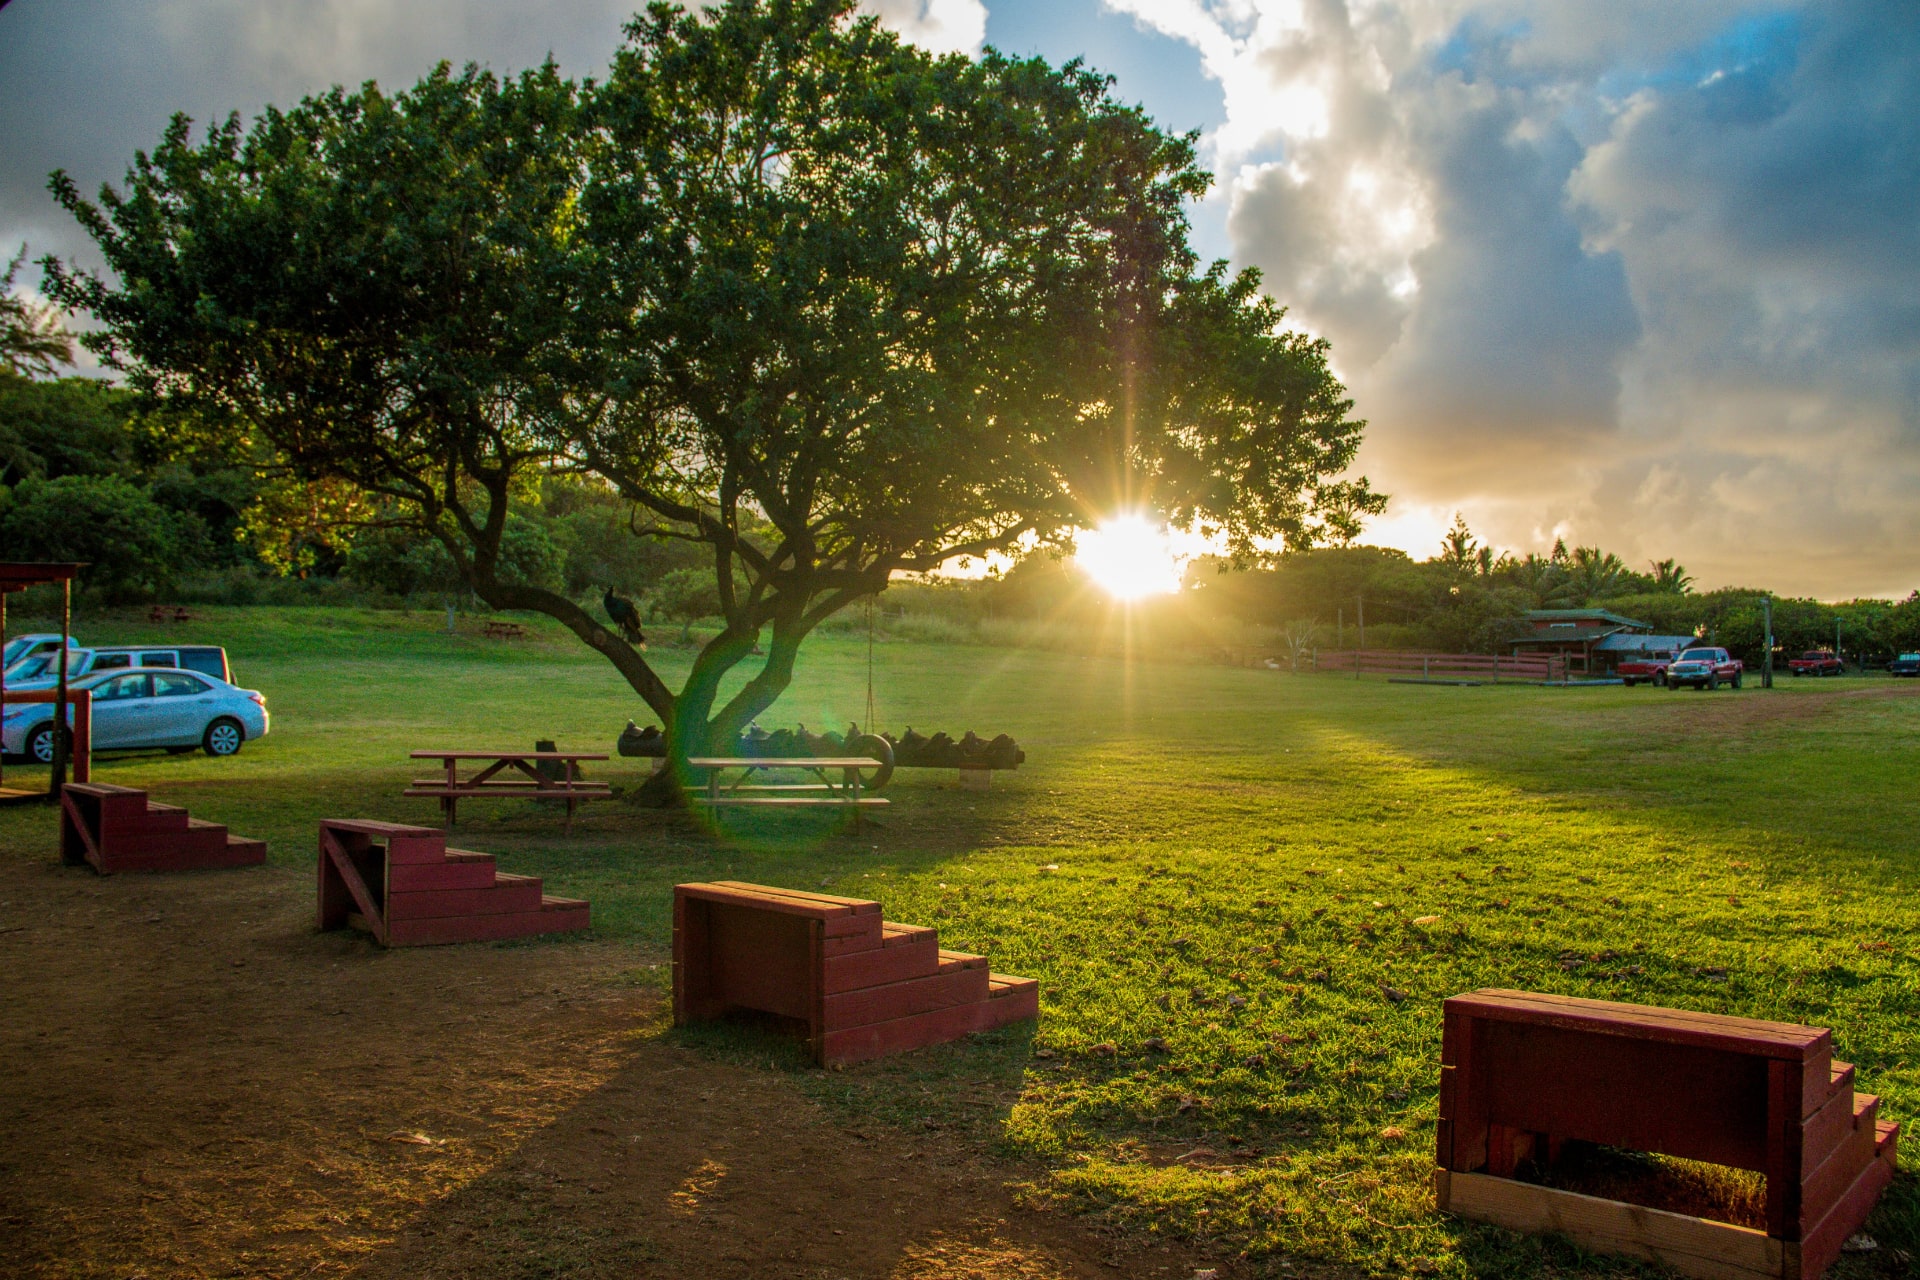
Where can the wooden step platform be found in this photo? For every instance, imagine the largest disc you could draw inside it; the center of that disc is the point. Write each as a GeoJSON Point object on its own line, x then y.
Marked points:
{"type": "Point", "coordinates": [405, 887]}
{"type": "Point", "coordinates": [862, 987]}
{"type": "Point", "coordinates": [119, 829]}
{"type": "Point", "coordinates": [1522, 1073]}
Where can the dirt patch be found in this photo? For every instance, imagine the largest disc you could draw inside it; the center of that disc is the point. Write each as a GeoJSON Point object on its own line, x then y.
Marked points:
{"type": "Point", "coordinates": [1724, 712]}
{"type": "Point", "coordinates": [201, 1085]}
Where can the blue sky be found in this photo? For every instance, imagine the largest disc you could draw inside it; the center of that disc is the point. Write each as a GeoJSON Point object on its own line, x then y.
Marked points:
{"type": "Point", "coordinates": [1621, 271]}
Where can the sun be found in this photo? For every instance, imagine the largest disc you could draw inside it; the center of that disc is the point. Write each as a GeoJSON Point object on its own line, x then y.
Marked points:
{"type": "Point", "coordinates": [1128, 558]}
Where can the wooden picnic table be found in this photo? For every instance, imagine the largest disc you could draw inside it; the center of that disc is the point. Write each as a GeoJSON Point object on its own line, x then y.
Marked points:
{"type": "Point", "coordinates": [505, 631]}
{"type": "Point", "coordinates": [826, 792]}
{"type": "Point", "coordinates": [487, 784]}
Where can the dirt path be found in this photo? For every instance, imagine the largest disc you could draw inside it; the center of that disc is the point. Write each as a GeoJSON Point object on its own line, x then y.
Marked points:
{"type": "Point", "coordinates": [194, 1083]}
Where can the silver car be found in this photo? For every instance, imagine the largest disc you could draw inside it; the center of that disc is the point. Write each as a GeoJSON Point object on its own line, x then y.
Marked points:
{"type": "Point", "coordinates": [166, 707]}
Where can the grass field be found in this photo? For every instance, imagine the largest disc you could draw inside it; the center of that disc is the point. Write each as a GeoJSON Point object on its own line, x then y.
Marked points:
{"type": "Point", "coordinates": [1216, 874]}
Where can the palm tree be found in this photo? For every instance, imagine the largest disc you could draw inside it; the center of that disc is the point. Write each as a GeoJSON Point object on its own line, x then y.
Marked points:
{"type": "Point", "coordinates": [1594, 574]}
{"type": "Point", "coordinates": [1671, 578]}
{"type": "Point", "coordinates": [31, 337]}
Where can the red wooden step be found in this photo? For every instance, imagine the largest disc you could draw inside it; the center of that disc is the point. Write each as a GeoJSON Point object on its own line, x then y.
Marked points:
{"type": "Point", "coordinates": [410, 850]}
{"type": "Point", "coordinates": [564, 914]}
{"type": "Point", "coordinates": [471, 871]}
{"type": "Point", "coordinates": [1011, 999]}
{"type": "Point", "coordinates": [159, 817]}
{"type": "Point", "coordinates": [1822, 1131]}
{"type": "Point", "coordinates": [909, 953]}
{"type": "Point", "coordinates": [506, 894]}
{"type": "Point", "coordinates": [954, 983]}
{"type": "Point", "coordinates": [1820, 1246]}
{"type": "Point", "coordinates": [1822, 1189]}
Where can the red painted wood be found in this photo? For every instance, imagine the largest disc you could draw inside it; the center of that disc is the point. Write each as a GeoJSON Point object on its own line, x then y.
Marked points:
{"type": "Point", "coordinates": [1681, 1100]}
{"type": "Point", "coordinates": [414, 877]}
{"type": "Point", "coordinates": [1749, 1036]}
{"type": "Point", "coordinates": [374, 827]}
{"type": "Point", "coordinates": [859, 906]}
{"type": "Point", "coordinates": [1820, 1246]}
{"type": "Point", "coordinates": [953, 984]}
{"type": "Point", "coordinates": [848, 946]}
{"type": "Point", "coordinates": [1786, 1088]}
{"type": "Point", "coordinates": [453, 929]}
{"type": "Point", "coordinates": [877, 965]}
{"type": "Point", "coordinates": [1823, 1188]}
{"type": "Point", "coordinates": [346, 864]}
{"type": "Point", "coordinates": [758, 959]}
{"type": "Point", "coordinates": [507, 893]}
{"type": "Point", "coordinates": [409, 850]}
{"type": "Point", "coordinates": [1011, 999]}
{"type": "Point", "coordinates": [1828, 1127]}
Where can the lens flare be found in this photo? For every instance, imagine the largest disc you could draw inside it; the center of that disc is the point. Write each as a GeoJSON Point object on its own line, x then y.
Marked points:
{"type": "Point", "coordinates": [1128, 558]}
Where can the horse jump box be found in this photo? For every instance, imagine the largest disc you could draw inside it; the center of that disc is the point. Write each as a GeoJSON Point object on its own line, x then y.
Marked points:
{"type": "Point", "coordinates": [118, 829]}
{"type": "Point", "coordinates": [1521, 1073]}
{"type": "Point", "coordinates": [405, 887]}
{"type": "Point", "coordinates": [861, 986]}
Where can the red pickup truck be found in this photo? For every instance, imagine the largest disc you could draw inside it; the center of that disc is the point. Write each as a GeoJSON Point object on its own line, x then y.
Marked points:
{"type": "Point", "coordinates": [1649, 667]}
{"type": "Point", "coordinates": [1704, 668]}
{"type": "Point", "coordinates": [1817, 662]}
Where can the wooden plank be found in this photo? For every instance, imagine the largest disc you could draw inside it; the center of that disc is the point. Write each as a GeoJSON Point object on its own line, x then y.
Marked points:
{"type": "Point", "coordinates": [947, 986]}
{"type": "Point", "coordinates": [494, 928]}
{"type": "Point", "coordinates": [374, 827]}
{"type": "Point", "coordinates": [508, 893]}
{"type": "Point", "coordinates": [417, 876]}
{"type": "Point", "coordinates": [432, 787]}
{"type": "Point", "coordinates": [759, 959]}
{"type": "Point", "coordinates": [508, 755]}
{"type": "Point", "coordinates": [349, 878]}
{"type": "Point", "coordinates": [1650, 1022]}
{"type": "Point", "coordinates": [1785, 1090]}
{"type": "Point", "coordinates": [783, 762]}
{"type": "Point", "coordinates": [784, 904]}
{"type": "Point", "coordinates": [876, 965]}
{"type": "Point", "coordinates": [1821, 1246]}
{"type": "Point", "coordinates": [1677, 1099]}
{"type": "Point", "coordinates": [1010, 999]}
{"type": "Point", "coordinates": [1828, 1127]}
{"type": "Point", "coordinates": [1826, 1185]}
{"type": "Point", "coordinates": [1691, 1246]}
{"type": "Point", "coordinates": [859, 906]}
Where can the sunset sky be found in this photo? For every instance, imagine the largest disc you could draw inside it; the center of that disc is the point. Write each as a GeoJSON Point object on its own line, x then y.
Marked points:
{"type": "Point", "coordinates": [1632, 272]}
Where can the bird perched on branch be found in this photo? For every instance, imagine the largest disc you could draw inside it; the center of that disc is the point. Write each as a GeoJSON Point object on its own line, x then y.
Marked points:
{"type": "Point", "coordinates": [625, 615]}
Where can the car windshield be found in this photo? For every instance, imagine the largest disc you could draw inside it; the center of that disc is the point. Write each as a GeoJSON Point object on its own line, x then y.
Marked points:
{"type": "Point", "coordinates": [1699, 655]}
{"type": "Point", "coordinates": [1910, 657]}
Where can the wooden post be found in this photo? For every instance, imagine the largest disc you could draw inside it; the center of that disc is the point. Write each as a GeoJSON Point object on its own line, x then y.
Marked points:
{"type": "Point", "coordinates": [1361, 604]}
{"type": "Point", "coordinates": [62, 743]}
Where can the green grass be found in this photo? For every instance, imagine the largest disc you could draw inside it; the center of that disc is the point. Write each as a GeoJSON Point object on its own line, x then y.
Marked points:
{"type": "Point", "coordinates": [1214, 873]}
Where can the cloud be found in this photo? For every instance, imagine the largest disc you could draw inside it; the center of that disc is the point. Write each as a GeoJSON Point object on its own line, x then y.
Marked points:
{"type": "Point", "coordinates": [1638, 274]}
{"type": "Point", "coordinates": [939, 26]}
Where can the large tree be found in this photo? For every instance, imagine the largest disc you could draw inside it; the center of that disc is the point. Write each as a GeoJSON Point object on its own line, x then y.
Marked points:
{"type": "Point", "coordinates": [823, 304]}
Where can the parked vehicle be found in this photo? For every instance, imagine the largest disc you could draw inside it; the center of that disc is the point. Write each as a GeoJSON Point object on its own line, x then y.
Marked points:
{"type": "Point", "coordinates": [1817, 662]}
{"type": "Point", "coordinates": [1704, 668]}
{"type": "Point", "coordinates": [170, 708]}
{"type": "Point", "coordinates": [25, 646]}
{"type": "Point", "coordinates": [1907, 664]}
{"type": "Point", "coordinates": [41, 671]}
{"type": "Point", "coordinates": [1649, 668]}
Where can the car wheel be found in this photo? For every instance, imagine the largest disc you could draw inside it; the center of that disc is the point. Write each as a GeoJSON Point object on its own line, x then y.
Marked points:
{"type": "Point", "coordinates": [1661, 680]}
{"type": "Point", "coordinates": [40, 745]}
{"type": "Point", "coordinates": [1736, 679]}
{"type": "Point", "coordinates": [1627, 681]}
{"type": "Point", "coordinates": [223, 737]}
{"type": "Point", "coordinates": [1797, 673]}
{"type": "Point", "coordinates": [1713, 683]}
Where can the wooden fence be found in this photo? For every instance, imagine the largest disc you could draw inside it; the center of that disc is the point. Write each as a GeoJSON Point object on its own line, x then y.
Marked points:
{"type": "Point", "coordinates": [1442, 666]}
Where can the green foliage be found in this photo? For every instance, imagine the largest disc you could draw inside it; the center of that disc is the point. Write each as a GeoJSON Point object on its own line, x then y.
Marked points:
{"type": "Point", "coordinates": [63, 427]}
{"type": "Point", "coordinates": [32, 339]}
{"type": "Point", "coordinates": [124, 537]}
{"type": "Point", "coordinates": [789, 287]}
{"type": "Point", "coordinates": [686, 596]}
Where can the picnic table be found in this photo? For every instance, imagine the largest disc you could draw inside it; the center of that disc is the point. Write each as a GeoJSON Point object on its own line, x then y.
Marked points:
{"type": "Point", "coordinates": [826, 792]}
{"type": "Point", "coordinates": [169, 613]}
{"type": "Point", "coordinates": [487, 784]}
{"type": "Point", "coordinates": [505, 631]}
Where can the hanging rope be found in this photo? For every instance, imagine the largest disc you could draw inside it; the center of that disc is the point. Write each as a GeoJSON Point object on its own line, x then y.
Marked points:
{"type": "Point", "coordinates": [869, 723]}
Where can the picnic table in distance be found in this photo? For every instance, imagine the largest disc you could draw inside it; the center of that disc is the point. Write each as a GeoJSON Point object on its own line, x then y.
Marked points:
{"type": "Point", "coordinates": [169, 613]}
{"type": "Point", "coordinates": [826, 792]}
{"type": "Point", "coordinates": [530, 784]}
{"type": "Point", "coordinates": [497, 630]}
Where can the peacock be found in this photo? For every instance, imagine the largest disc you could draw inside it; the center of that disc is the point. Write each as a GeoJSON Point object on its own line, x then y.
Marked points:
{"type": "Point", "coordinates": [625, 615]}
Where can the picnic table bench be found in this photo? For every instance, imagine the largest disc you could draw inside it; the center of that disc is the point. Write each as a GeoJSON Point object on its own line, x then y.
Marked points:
{"type": "Point", "coordinates": [169, 613]}
{"type": "Point", "coordinates": [1524, 1072]}
{"type": "Point", "coordinates": [843, 794]}
{"type": "Point", "coordinates": [495, 630]}
{"type": "Point", "coordinates": [487, 784]}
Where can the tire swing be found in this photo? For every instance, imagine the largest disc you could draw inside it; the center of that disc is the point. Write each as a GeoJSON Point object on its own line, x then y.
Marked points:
{"type": "Point", "coordinates": [870, 743]}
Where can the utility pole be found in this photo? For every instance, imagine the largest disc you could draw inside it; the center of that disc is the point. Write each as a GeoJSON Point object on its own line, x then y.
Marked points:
{"type": "Point", "coordinates": [1836, 645]}
{"type": "Point", "coordinates": [1766, 669]}
{"type": "Point", "coordinates": [1340, 628]}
